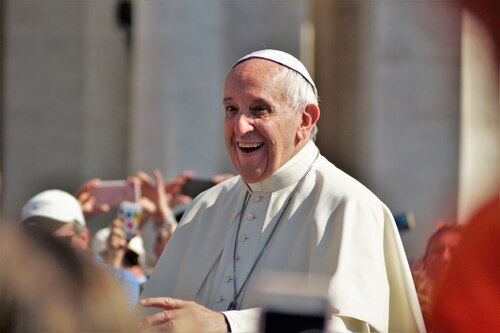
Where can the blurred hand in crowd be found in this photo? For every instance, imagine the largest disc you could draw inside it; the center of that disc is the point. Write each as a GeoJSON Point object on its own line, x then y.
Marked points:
{"type": "Point", "coordinates": [116, 244]}
{"type": "Point", "coordinates": [156, 201]}
{"type": "Point", "coordinates": [172, 188]}
{"type": "Point", "coordinates": [87, 200]}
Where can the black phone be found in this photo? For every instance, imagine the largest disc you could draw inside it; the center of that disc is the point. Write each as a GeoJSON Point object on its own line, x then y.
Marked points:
{"type": "Point", "coordinates": [195, 186]}
{"type": "Point", "coordinates": [293, 303]}
{"type": "Point", "coordinates": [309, 316]}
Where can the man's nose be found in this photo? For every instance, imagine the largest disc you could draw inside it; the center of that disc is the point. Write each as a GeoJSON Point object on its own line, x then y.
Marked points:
{"type": "Point", "coordinates": [447, 254]}
{"type": "Point", "coordinates": [243, 124]}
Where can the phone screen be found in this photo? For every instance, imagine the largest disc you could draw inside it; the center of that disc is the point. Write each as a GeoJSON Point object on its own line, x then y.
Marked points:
{"type": "Point", "coordinates": [114, 192]}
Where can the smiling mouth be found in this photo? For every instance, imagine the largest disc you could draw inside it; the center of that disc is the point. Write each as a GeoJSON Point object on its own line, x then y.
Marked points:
{"type": "Point", "coordinates": [249, 147]}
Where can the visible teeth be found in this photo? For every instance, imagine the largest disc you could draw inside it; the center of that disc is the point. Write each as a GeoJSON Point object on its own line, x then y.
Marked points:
{"type": "Point", "coordinates": [249, 145]}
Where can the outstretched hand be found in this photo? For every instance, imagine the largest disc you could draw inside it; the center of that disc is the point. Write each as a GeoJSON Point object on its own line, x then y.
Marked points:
{"type": "Point", "coordinates": [181, 316]}
{"type": "Point", "coordinates": [172, 188]}
{"type": "Point", "coordinates": [87, 200]}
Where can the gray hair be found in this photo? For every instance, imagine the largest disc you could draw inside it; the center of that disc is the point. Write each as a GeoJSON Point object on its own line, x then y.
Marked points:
{"type": "Point", "coordinates": [78, 227]}
{"type": "Point", "coordinates": [300, 94]}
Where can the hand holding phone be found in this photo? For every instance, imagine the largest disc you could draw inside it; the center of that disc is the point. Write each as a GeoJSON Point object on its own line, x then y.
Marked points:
{"type": "Point", "coordinates": [130, 214]}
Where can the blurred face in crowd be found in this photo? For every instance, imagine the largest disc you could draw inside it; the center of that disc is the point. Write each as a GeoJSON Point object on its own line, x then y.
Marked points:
{"type": "Point", "coordinates": [77, 240]}
{"type": "Point", "coordinates": [262, 132]}
{"type": "Point", "coordinates": [440, 251]}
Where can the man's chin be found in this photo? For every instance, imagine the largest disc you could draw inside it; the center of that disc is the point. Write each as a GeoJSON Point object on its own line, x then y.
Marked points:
{"type": "Point", "coordinates": [251, 177]}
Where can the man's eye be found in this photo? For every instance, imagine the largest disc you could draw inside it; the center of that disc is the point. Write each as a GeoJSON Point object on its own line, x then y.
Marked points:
{"type": "Point", "coordinates": [230, 109]}
{"type": "Point", "coordinates": [260, 110]}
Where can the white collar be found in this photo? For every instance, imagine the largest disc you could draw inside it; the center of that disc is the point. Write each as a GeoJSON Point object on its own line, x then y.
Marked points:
{"type": "Point", "coordinates": [289, 173]}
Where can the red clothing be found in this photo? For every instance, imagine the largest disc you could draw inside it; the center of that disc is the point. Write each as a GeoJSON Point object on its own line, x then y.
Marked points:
{"type": "Point", "coordinates": [469, 299]}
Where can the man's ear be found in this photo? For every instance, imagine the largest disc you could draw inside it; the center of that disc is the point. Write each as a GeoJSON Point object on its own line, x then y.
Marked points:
{"type": "Point", "coordinates": [85, 237]}
{"type": "Point", "coordinates": [309, 118]}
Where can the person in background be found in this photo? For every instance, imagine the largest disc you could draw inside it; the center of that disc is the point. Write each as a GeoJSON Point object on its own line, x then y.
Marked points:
{"type": "Point", "coordinates": [290, 210]}
{"type": "Point", "coordinates": [119, 249]}
{"type": "Point", "coordinates": [134, 254]}
{"type": "Point", "coordinates": [430, 270]}
{"type": "Point", "coordinates": [60, 213]}
{"type": "Point", "coordinates": [48, 286]}
{"type": "Point", "coordinates": [469, 298]}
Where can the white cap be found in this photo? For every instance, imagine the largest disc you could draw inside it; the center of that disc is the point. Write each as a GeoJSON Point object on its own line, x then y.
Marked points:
{"type": "Point", "coordinates": [136, 244]}
{"type": "Point", "coordinates": [56, 205]}
{"type": "Point", "coordinates": [281, 58]}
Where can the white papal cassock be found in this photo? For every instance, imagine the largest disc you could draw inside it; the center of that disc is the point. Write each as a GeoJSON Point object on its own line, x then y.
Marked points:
{"type": "Point", "coordinates": [334, 227]}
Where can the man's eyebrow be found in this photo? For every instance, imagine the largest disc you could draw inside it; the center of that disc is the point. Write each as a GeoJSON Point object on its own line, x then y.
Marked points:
{"type": "Point", "coordinates": [256, 100]}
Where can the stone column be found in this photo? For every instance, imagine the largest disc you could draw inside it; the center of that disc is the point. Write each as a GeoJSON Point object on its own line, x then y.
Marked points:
{"type": "Point", "coordinates": [480, 135]}
{"type": "Point", "coordinates": [65, 97]}
{"type": "Point", "coordinates": [389, 76]}
{"type": "Point", "coordinates": [178, 72]}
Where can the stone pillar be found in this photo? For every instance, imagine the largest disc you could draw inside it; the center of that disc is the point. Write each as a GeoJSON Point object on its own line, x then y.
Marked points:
{"type": "Point", "coordinates": [43, 98]}
{"type": "Point", "coordinates": [389, 76]}
{"type": "Point", "coordinates": [178, 71]}
{"type": "Point", "coordinates": [480, 135]}
{"type": "Point", "coordinates": [65, 97]}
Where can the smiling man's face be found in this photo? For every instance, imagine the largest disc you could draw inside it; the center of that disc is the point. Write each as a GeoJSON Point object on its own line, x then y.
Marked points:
{"type": "Point", "coordinates": [260, 126]}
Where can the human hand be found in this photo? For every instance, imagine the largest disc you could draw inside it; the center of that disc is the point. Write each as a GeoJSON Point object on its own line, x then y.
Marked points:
{"type": "Point", "coordinates": [164, 211]}
{"type": "Point", "coordinates": [155, 200]}
{"type": "Point", "coordinates": [181, 316]}
{"type": "Point", "coordinates": [116, 244]}
{"type": "Point", "coordinates": [174, 188]}
{"type": "Point", "coordinates": [87, 200]}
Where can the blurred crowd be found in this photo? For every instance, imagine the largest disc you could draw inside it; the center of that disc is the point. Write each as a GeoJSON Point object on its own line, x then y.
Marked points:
{"type": "Point", "coordinates": [59, 277]}
{"type": "Point", "coordinates": [105, 271]}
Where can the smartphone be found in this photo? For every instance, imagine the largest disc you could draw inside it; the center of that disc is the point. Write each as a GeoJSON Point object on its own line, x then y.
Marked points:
{"type": "Point", "coordinates": [308, 315]}
{"type": "Point", "coordinates": [130, 214]}
{"type": "Point", "coordinates": [294, 303]}
{"type": "Point", "coordinates": [114, 192]}
{"type": "Point", "coordinates": [194, 186]}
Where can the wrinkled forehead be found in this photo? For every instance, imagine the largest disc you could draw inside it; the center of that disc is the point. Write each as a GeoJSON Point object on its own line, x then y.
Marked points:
{"type": "Point", "coordinates": [257, 72]}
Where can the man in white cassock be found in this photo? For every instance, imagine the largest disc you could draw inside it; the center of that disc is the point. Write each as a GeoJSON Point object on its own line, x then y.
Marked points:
{"type": "Point", "coordinates": [290, 210]}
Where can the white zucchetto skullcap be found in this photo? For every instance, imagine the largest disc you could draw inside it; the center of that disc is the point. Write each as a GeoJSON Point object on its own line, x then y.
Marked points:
{"type": "Point", "coordinates": [283, 59]}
